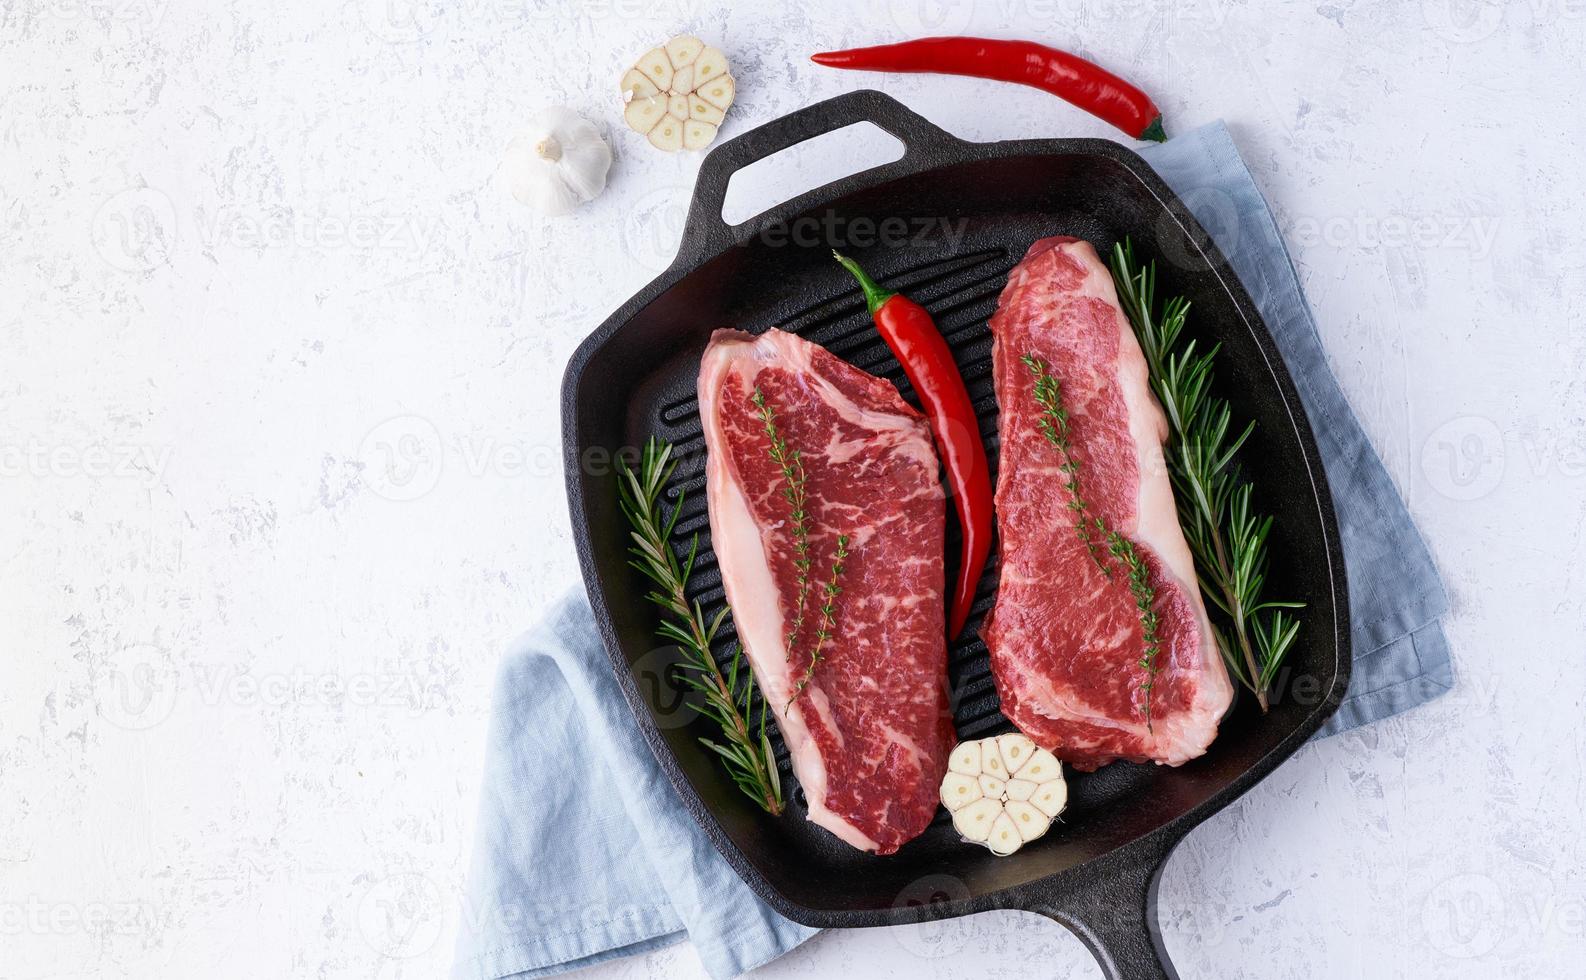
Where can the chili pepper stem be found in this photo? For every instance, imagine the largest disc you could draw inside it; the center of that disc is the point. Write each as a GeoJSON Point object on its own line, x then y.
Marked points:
{"type": "Point", "coordinates": [875, 296]}
{"type": "Point", "coordinates": [1154, 132]}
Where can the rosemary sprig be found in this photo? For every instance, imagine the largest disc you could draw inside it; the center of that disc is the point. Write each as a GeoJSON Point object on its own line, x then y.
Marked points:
{"type": "Point", "coordinates": [1053, 424]}
{"type": "Point", "coordinates": [1227, 538]}
{"type": "Point", "coordinates": [744, 749]}
{"type": "Point", "coordinates": [797, 494]}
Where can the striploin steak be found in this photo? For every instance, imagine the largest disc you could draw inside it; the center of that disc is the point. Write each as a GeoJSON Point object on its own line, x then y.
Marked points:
{"type": "Point", "coordinates": [868, 726]}
{"type": "Point", "coordinates": [1065, 636]}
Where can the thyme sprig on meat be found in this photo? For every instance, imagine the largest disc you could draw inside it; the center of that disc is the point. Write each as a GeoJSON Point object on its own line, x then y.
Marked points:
{"type": "Point", "coordinates": [1053, 425]}
{"type": "Point", "coordinates": [795, 490]}
{"type": "Point", "coordinates": [1123, 549]}
{"type": "Point", "coordinates": [828, 620]}
{"type": "Point", "coordinates": [744, 749]}
{"type": "Point", "coordinates": [1226, 535]}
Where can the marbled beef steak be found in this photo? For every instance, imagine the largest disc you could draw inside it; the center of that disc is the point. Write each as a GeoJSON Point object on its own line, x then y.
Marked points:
{"type": "Point", "coordinates": [869, 734]}
{"type": "Point", "coordinates": [1065, 636]}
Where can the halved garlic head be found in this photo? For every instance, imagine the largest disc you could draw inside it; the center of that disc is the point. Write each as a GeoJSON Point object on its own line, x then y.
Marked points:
{"type": "Point", "coordinates": [678, 93]}
{"type": "Point", "coordinates": [1003, 792]}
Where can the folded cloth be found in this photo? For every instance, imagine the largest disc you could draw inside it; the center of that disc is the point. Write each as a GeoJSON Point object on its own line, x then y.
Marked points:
{"type": "Point", "coordinates": [584, 851]}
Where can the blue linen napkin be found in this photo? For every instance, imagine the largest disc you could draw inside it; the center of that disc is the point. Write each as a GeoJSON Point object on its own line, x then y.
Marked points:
{"type": "Point", "coordinates": [584, 852]}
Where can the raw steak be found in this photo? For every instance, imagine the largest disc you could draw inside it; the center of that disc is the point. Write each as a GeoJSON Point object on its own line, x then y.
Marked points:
{"type": "Point", "coordinates": [871, 732]}
{"type": "Point", "coordinates": [1065, 638]}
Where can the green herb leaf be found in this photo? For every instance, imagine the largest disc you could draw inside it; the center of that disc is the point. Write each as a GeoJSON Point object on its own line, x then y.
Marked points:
{"type": "Point", "coordinates": [1224, 532]}
{"type": "Point", "coordinates": [747, 758]}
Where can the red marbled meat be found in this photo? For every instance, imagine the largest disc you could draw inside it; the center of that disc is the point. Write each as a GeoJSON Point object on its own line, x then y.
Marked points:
{"type": "Point", "coordinates": [1065, 639]}
{"type": "Point", "coordinates": [870, 735]}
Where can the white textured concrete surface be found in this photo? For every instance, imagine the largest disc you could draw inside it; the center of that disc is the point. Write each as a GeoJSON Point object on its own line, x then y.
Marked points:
{"type": "Point", "coordinates": [278, 422]}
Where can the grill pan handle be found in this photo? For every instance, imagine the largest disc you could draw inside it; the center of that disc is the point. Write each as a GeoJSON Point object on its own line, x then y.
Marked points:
{"type": "Point", "coordinates": [706, 233]}
{"type": "Point", "coordinates": [1110, 904]}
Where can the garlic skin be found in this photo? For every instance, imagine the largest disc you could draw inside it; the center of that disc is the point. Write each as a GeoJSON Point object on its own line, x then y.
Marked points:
{"type": "Point", "coordinates": [557, 162]}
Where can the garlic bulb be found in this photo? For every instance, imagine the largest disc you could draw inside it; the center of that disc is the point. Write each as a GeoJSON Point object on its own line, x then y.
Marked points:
{"type": "Point", "coordinates": [678, 93]}
{"type": "Point", "coordinates": [557, 162]}
{"type": "Point", "coordinates": [1003, 791]}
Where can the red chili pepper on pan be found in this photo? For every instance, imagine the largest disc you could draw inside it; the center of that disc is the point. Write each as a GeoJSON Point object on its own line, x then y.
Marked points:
{"type": "Point", "coordinates": [908, 329]}
{"type": "Point", "coordinates": [1089, 86]}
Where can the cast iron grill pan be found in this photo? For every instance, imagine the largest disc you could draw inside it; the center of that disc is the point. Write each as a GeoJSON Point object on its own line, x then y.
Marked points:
{"type": "Point", "coordinates": [971, 210]}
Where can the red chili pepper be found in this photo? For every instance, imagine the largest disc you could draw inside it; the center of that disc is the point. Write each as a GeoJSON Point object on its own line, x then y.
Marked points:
{"type": "Point", "coordinates": [908, 329]}
{"type": "Point", "coordinates": [1089, 86]}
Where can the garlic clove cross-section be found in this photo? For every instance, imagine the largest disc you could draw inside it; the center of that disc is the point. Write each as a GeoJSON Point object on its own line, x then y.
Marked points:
{"type": "Point", "coordinates": [1003, 792]}
{"type": "Point", "coordinates": [678, 93]}
{"type": "Point", "coordinates": [965, 759]}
